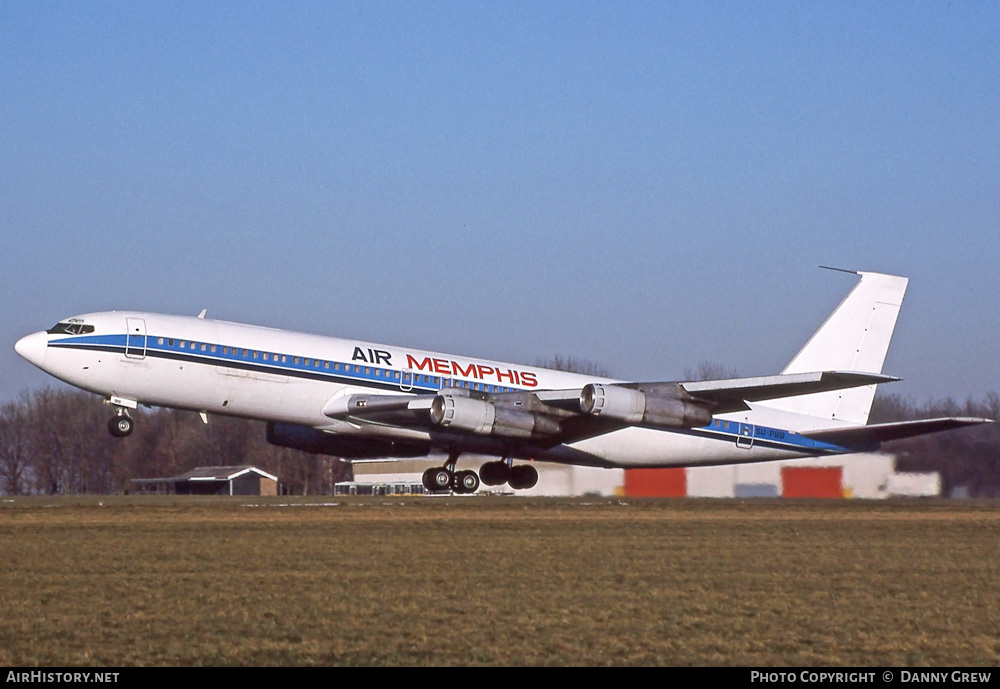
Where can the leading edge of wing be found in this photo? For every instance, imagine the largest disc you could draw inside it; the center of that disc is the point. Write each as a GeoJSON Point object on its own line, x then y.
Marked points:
{"type": "Point", "coordinates": [720, 396]}
{"type": "Point", "coordinates": [870, 437]}
{"type": "Point", "coordinates": [731, 394]}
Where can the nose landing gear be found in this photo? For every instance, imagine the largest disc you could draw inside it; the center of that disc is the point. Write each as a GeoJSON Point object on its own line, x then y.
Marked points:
{"type": "Point", "coordinates": [120, 425]}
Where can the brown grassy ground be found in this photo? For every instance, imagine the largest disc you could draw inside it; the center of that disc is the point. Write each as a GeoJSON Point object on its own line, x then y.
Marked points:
{"type": "Point", "coordinates": [499, 581]}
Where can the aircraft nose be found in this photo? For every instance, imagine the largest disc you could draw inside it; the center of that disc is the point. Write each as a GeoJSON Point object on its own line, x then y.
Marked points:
{"type": "Point", "coordinates": [32, 347]}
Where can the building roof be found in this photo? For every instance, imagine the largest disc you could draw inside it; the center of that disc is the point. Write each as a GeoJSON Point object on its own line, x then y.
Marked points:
{"type": "Point", "coordinates": [221, 473]}
{"type": "Point", "coordinates": [211, 474]}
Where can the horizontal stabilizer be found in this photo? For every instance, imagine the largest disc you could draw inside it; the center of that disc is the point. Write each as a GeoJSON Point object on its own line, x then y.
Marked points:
{"type": "Point", "coordinates": [870, 437]}
{"type": "Point", "coordinates": [730, 395]}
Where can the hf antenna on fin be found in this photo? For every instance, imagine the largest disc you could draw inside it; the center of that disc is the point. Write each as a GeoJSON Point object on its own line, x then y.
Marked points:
{"type": "Point", "coordinates": [840, 270]}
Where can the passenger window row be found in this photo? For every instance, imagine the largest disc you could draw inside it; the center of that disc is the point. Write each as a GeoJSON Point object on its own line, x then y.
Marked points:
{"type": "Point", "coordinates": [417, 380]}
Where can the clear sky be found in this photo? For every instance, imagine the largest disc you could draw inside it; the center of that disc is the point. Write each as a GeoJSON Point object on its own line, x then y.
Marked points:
{"type": "Point", "coordinates": [647, 185]}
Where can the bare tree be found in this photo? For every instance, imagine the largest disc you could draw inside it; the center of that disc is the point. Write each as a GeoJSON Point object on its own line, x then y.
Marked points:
{"type": "Point", "coordinates": [57, 442]}
{"type": "Point", "coordinates": [575, 365]}
{"type": "Point", "coordinates": [710, 371]}
{"type": "Point", "coordinates": [15, 446]}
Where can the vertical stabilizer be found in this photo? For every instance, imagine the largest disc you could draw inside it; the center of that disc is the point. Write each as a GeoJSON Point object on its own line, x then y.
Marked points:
{"type": "Point", "coordinates": [854, 338]}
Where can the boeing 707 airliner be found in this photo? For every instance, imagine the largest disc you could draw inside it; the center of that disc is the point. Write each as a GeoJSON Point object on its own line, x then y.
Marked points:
{"type": "Point", "coordinates": [356, 399]}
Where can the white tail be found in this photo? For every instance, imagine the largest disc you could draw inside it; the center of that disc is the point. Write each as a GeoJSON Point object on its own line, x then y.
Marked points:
{"type": "Point", "coordinates": [854, 338]}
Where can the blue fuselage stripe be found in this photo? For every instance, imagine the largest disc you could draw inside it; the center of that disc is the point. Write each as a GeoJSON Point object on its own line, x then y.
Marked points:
{"type": "Point", "coordinates": [388, 379]}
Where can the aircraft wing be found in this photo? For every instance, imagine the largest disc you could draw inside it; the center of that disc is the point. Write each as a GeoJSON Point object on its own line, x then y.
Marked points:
{"type": "Point", "coordinates": [554, 416]}
{"type": "Point", "coordinates": [870, 437]}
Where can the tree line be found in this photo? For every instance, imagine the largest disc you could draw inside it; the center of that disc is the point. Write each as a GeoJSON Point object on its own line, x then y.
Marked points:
{"type": "Point", "coordinates": [56, 442]}
{"type": "Point", "coordinates": [968, 459]}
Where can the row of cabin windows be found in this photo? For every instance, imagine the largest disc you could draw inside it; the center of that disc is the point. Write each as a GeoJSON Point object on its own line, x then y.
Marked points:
{"type": "Point", "coordinates": [256, 354]}
{"type": "Point", "coordinates": [317, 363]}
{"type": "Point", "coordinates": [245, 353]}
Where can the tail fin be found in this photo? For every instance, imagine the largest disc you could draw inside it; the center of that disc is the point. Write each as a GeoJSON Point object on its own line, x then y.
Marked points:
{"type": "Point", "coordinates": [854, 338]}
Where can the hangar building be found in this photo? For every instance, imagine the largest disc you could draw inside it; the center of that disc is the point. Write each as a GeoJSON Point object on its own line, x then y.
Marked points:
{"type": "Point", "coordinates": [868, 476]}
{"type": "Point", "coordinates": [235, 480]}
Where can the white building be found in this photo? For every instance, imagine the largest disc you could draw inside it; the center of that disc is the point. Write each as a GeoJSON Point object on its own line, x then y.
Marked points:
{"type": "Point", "coordinates": [553, 479]}
{"type": "Point", "coordinates": [866, 476]}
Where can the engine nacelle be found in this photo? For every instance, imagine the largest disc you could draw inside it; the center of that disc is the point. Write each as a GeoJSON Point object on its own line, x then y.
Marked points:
{"type": "Point", "coordinates": [317, 442]}
{"type": "Point", "coordinates": [485, 418]}
{"type": "Point", "coordinates": [634, 406]}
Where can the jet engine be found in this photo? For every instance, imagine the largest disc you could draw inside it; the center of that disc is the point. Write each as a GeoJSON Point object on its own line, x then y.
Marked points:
{"type": "Point", "coordinates": [486, 418]}
{"type": "Point", "coordinates": [635, 406]}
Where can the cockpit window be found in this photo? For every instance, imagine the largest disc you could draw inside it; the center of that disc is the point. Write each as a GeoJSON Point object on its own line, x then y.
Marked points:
{"type": "Point", "coordinates": [70, 328]}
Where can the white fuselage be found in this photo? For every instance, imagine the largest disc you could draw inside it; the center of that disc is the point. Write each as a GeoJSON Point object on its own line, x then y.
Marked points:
{"type": "Point", "coordinates": [288, 377]}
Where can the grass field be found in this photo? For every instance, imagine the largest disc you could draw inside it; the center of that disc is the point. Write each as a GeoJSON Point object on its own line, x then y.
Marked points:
{"type": "Point", "coordinates": [499, 581]}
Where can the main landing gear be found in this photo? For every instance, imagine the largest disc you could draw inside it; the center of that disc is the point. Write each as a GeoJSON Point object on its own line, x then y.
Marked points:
{"type": "Point", "coordinates": [439, 479]}
{"type": "Point", "coordinates": [518, 477]}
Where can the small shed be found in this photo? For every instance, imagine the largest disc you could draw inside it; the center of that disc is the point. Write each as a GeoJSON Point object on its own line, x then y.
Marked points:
{"type": "Point", "coordinates": [235, 480]}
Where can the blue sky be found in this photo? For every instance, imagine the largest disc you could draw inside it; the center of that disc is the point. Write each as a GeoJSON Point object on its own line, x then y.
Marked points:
{"type": "Point", "coordinates": [645, 185]}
